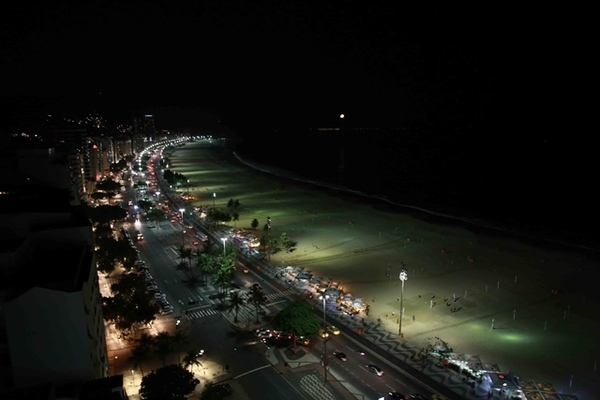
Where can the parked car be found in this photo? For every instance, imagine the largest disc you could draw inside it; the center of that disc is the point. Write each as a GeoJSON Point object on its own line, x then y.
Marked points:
{"type": "Point", "coordinates": [417, 396]}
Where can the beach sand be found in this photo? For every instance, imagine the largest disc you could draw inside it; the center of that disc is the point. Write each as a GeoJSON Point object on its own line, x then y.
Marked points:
{"type": "Point", "coordinates": [520, 304]}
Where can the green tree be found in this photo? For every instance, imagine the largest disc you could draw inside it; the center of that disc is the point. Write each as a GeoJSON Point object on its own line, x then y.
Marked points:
{"type": "Point", "coordinates": [236, 301]}
{"type": "Point", "coordinates": [256, 297]}
{"type": "Point", "coordinates": [163, 345]}
{"type": "Point", "coordinates": [139, 355]}
{"type": "Point", "coordinates": [179, 339]}
{"type": "Point", "coordinates": [254, 224]}
{"type": "Point", "coordinates": [108, 185]}
{"type": "Point", "coordinates": [171, 382]}
{"type": "Point", "coordinates": [105, 214]}
{"type": "Point", "coordinates": [145, 205]}
{"type": "Point", "coordinates": [298, 319]}
{"type": "Point", "coordinates": [156, 214]}
{"type": "Point", "coordinates": [287, 244]}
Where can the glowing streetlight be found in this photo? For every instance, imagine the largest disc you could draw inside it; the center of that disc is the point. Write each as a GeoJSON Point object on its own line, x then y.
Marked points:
{"type": "Point", "coordinates": [182, 210]}
{"type": "Point", "coordinates": [214, 195]}
{"type": "Point", "coordinates": [403, 277]}
{"type": "Point", "coordinates": [224, 251]}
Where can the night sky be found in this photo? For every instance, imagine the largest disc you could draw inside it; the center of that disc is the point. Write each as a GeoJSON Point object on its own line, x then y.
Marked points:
{"type": "Point", "coordinates": [507, 80]}
{"type": "Point", "coordinates": [293, 62]}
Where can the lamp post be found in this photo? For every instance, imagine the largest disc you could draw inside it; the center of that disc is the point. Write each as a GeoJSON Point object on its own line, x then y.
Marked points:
{"type": "Point", "coordinates": [224, 251]}
{"type": "Point", "coordinates": [182, 210]}
{"type": "Point", "coordinates": [325, 339]}
{"type": "Point", "coordinates": [214, 195]}
{"type": "Point", "coordinates": [403, 277]}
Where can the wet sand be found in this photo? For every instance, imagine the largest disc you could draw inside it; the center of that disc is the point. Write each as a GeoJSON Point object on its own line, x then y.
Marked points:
{"type": "Point", "coordinates": [545, 325]}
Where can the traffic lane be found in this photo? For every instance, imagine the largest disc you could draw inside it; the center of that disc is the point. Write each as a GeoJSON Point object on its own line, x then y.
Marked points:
{"type": "Point", "coordinates": [268, 383]}
{"type": "Point", "coordinates": [346, 370]}
{"type": "Point", "coordinates": [394, 378]}
{"type": "Point", "coordinates": [354, 368]}
{"type": "Point", "coordinates": [161, 261]}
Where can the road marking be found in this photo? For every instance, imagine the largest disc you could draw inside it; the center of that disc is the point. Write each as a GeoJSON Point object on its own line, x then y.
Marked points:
{"type": "Point", "coordinates": [251, 371]}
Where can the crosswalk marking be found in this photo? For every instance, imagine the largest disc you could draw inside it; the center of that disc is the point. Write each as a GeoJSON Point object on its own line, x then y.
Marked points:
{"type": "Point", "coordinates": [278, 295]}
{"type": "Point", "coordinates": [201, 313]}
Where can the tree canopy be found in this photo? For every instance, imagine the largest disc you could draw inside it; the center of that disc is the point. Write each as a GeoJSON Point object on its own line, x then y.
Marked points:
{"type": "Point", "coordinates": [172, 382]}
{"type": "Point", "coordinates": [298, 318]}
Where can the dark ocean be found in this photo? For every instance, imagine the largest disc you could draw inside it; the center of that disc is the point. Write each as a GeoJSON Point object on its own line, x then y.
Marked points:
{"type": "Point", "coordinates": [529, 185]}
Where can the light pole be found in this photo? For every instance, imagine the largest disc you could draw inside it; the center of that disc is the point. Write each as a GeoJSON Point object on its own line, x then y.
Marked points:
{"type": "Point", "coordinates": [182, 210]}
{"type": "Point", "coordinates": [224, 251]}
{"type": "Point", "coordinates": [325, 338]}
{"type": "Point", "coordinates": [214, 195]}
{"type": "Point", "coordinates": [403, 277]}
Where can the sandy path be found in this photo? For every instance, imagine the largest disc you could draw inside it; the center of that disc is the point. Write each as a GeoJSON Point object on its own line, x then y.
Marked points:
{"type": "Point", "coordinates": [537, 334]}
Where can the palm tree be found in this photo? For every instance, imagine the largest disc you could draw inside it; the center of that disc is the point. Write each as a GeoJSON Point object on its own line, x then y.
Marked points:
{"type": "Point", "coordinates": [139, 354]}
{"type": "Point", "coordinates": [145, 341]}
{"type": "Point", "coordinates": [185, 253]}
{"type": "Point", "coordinates": [223, 280]}
{"type": "Point", "coordinates": [179, 338]}
{"type": "Point", "coordinates": [190, 359]}
{"type": "Point", "coordinates": [236, 301]}
{"type": "Point", "coordinates": [163, 345]}
{"type": "Point", "coordinates": [206, 263]}
{"type": "Point", "coordinates": [256, 298]}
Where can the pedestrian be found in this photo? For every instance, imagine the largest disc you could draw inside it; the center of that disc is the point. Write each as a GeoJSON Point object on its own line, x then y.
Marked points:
{"type": "Point", "coordinates": [398, 298]}
{"type": "Point", "coordinates": [386, 315]}
{"type": "Point", "coordinates": [413, 317]}
{"type": "Point", "coordinates": [419, 296]}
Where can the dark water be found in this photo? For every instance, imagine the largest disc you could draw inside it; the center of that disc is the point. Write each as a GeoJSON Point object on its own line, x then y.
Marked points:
{"type": "Point", "coordinates": [521, 185]}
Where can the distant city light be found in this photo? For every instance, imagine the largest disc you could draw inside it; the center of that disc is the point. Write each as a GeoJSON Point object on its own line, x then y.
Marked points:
{"type": "Point", "coordinates": [342, 116]}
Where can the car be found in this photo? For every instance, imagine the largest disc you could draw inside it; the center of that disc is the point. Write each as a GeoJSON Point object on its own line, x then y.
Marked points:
{"type": "Point", "coordinates": [303, 340]}
{"type": "Point", "coordinates": [256, 286]}
{"type": "Point", "coordinates": [396, 395]}
{"type": "Point", "coordinates": [152, 287]}
{"type": "Point", "coordinates": [417, 396]}
{"type": "Point", "coordinates": [160, 296]}
{"type": "Point", "coordinates": [374, 369]}
{"type": "Point", "coordinates": [245, 270]}
{"type": "Point", "coordinates": [264, 332]}
{"type": "Point", "coordinates": [222, 390]}
{"type": "Point", "coordinates": [340, 355]}
{"type": "Point", "coordinates": [334, 330]}
{"type": "Point", "coordinates": [323, 333]}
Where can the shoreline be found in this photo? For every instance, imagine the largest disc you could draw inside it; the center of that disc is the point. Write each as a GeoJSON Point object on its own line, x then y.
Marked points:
{"type": "Point", "coordinates": [385, 205]}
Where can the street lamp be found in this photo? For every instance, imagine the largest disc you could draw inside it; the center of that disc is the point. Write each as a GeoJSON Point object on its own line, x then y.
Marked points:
{"type": "Point", "coordinates": [214, 195]}
{"type": "Point", "coordinates": [182, 210]}
{"type": "Point", "coordinates": [403, 277]}
{"type": "Point", "coordinates": [325, 338]}
{"type": "Point", "coordinates": [224, 251]}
